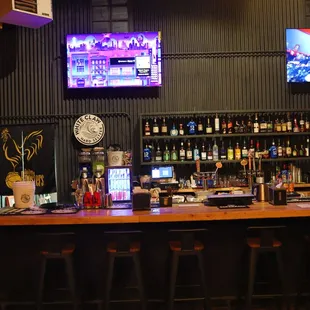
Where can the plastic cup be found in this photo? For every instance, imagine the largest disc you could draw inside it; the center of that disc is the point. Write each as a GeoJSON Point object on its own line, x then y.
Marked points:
{"type": "Point", "coordinates": [23, 192]}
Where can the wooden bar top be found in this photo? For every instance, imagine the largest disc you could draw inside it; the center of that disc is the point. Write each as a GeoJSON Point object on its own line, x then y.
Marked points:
{"type": "Point", "coordinates": [181, 213]}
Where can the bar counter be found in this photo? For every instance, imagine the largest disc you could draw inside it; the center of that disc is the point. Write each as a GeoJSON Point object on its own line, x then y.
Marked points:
{"type": "Point", "coordinates": [177, 213]}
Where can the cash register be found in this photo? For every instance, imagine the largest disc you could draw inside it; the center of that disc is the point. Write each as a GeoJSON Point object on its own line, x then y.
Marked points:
{"type": "Point", "coordinates": [162, 177]}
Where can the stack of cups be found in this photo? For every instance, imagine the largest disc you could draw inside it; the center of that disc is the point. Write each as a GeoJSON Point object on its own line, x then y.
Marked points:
{"type": "Point", "coordinates": [24, 192]}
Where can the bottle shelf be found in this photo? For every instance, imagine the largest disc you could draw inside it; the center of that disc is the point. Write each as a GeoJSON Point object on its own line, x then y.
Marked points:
{"type": "Point", "coordinates": [229, 135]}
{"type": "Point", "coordinates": [226, 161]}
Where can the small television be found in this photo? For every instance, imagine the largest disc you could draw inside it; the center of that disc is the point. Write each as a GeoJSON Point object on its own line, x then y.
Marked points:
{"type": "Point", "coordinates": [104, 60]}
{"type": "Point", "coordinates": [165, 172]}
{"type": "Point", "coordinates": [298, 55]}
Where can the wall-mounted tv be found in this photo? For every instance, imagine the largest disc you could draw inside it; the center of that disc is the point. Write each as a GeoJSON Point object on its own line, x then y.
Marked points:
{"type": "Point", "coordinates": [298, 55]}
{"type": "Point", "coordinates": [114, 60]}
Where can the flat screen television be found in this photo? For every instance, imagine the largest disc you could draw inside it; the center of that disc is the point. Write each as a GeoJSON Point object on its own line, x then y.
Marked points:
{"type": "Point", "coordinates": [298, 55]}
{"type": "Point", "coordinates": [114, 60]}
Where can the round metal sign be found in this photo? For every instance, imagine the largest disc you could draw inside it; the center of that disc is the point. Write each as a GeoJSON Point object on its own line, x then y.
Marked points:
{"type": "Point", "coordinates": [89, 129]}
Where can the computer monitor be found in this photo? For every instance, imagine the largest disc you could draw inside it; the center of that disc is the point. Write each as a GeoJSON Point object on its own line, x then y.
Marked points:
{"type": "Point", "coordinates": [165, 172]}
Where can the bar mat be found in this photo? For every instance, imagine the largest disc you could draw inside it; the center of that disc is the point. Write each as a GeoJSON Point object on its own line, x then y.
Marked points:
{"type": "Point", "coordinates": [36, 211]}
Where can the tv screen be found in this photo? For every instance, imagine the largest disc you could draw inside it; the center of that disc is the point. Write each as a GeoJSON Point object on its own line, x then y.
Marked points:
{"type": "Point", "coordinates": [298, 55]}
{"type": "Point", "coordinates": [114, 60]}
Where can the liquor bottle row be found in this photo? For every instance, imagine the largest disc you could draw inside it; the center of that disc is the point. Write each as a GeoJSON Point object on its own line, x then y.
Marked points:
{"type": "Point", "coordinates": [288, 122]}
{"type": "Point", "coordinates": [186, 151]}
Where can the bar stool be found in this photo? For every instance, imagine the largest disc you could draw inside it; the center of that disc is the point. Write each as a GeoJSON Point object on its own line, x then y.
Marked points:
{"type": "Point", "coordinates": [59, 246]}
{"type": "Point", "coordinates": [124, 244]}
{"type": "Point", "coordinates": [185, 244]}
{"type": "Point", "coordinates": [264, 240]}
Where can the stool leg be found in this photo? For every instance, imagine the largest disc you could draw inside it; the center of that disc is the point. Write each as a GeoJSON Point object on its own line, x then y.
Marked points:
{"type": "Point", "coordinates": [71, 280]}
{"type": "Point", "coordinates": [282, 277]}
{"type": "Point", "coordinates": [203, 280]}
{"type": "Point", "coordinates": [111, 259]}
{"type": "Point", "coordinates": [251, 279]}
{"type": "Point", "coordinates": [137, 263]}
{"type": "Point", "coordinates": [173, 278]}
{"type": "Point", "coordinates": [41, 283]}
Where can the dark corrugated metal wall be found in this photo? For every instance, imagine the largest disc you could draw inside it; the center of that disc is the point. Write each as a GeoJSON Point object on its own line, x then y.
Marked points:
{"type": "Point", "coordinates": [218, 54]}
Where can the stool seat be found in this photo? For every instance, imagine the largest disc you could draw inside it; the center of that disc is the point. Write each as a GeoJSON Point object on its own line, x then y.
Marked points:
{"type": "Point", "coordinates": [176, 246]}
{"type": "Point", "coordinates": [256, 243]}
{"type": "Point", "coordinates": [134, 247]}
{"type": "Point", "coordinates": [67, 250]}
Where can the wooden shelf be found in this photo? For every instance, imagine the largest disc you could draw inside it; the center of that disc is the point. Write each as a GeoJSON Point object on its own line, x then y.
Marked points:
{"type": "Point", "coordinates": [204, 136]}
{"type": "Point", "coordinates": [212, 162]}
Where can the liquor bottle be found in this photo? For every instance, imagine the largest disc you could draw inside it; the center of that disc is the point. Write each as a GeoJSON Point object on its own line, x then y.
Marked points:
{"type": "Point", "coordinates": [256, 124]}
{"type": "Point", "coordinates": [278, 125]}
{"type": "Point", "coordinates": [158, 154]}
{"type": "Point", "coordinates": [295, 151]}
{"type": "Point", "coordinates": [147, 154]}
{"type": "Point", "coordinates": [181, 130]}
{"type": "Point", "coordinates": [252, 148]}
{"type": "Point", "coordinates": [223, 154]}
{"type": "Point", "coordinates": [280, 149]}
{"type": "Point", "coordinates": [244, 151]}
{"type": "Point", "coordinates": [295, 127]}
{"type": "Point", "coordinates": [224, 126]}
{"type": "Point", "coordinates": [182, 152]}
{"type": "Point", "coordinates": [229, 125]}
{"type": "Point", "coordinates": [200, 127]}
{"type": "Point", "coordinates": [302, 123]}
{"type": "Point", "coordinates": [263, 125]}
{"type": "Point", "coordinates": [283, 125]}
{"type": "Point", "coordinates": [273, 150]}
{"type": "Point", "coordinates": [166, 153]}
{"type": "Point", "coordinates": [307, 123]}
{"type": "Point", "coordinates": [203, 152]}
{"type": "Point", "coordinates": [174, 153]}
{"type": "Point", "coordinates": [269, 125]}
{"type": "Point", "coordinates": [173, 131]}
{"type": "Point", "coordinates": [250, 125]}
{"type": "Point", "coordinates": [283, 149]}
{"type": "Point", "coordinates": [191, 127]}
{"type": "Point", "coordinates": [196, 154]}
{"type": "Point", "coordinates": [215, 151]}
{"type": "Point", "coordinates": [217, 124]}
{"type": "Point", "coordinates": [189, 151]}
{"type": "Point", "coordinates": [230, 152]}
{"type": "Point", "coordinates": [209, 128]}
{"type": "Point", "coordinates": [289, 126]}
{"type": "Point", "coordinates": [302, 151]}
{"type": "Point", "coordinates": [288, 149]}
{"type": "Point", "coordinates": [210, 153]}
{"type": "Point", "coordinates": [164, 127]}
{"type": "Point", "coordinates": [147, 129]}
{"type": "Point", "coordinates": [243, 127]}
{"type": "Point", "coordinates": [265, 152]}
{"type": "Point", "coordinates": [257, 150]}
{"type": "Point", "coordinates": [237, 152]}
{"type": "Point", "coordinates": [237, 128]}
{"type": "Point", "coordinates": [155, 127]}
{"type": "Point", "coordinates": [307, 148]}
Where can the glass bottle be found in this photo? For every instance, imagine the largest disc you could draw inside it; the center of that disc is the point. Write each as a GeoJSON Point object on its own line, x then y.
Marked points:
{"type": "Point", "coordinates": [173, 132]}
{"type": "Point", "coordinates": [250, 125]}
{"type": "Point", "coordinates": [302, 123]}
{"type": "Point", "coordinates": [307, 123]}
{"type": "Point", "coordinates": [223, 151]}
{"type": "Point", "coordinates": [174, 153]}
{"type": "Point", "coordinates": [155, 127]}
{"type": "Point", "coordinates": [164, 127]}
{"type": "Point", "coordinates": [182, 152]}
{"type": "Point", "coordinates": [244, 151]}
{"type": "Point", "coordinates": [147, 154]}
{"type": "Point", "coordinates": [280, 149]}
{"type": "Point", "coordinates": [230, 152]}
{"type": "Point", "coordinates": [215, 151]}
{"type": "Point", "coordinates": [196, 154]}
{"type": "Point", "coordinates": [209, 127]}
{"type": "Point", "coordinates": [229, 125]}
{"type": "Point", "coordinates": [278, 126]}
{"type": "Point", "coordinates": [295, 151]}
{"type": "Point", "coordinates": [224, 126]}
{"type": "Point", "coordinates": [237, 152]}
{"type": "Point", "coordinates": [203, 152]}
{"type": "Point", "coordinates": [283, 125]}
{"type": "Point", "coordinates": [147, 129]}
{"type": "Point", "coordinates": [296, 127]}
{"type": "Point", "coordinates": [158, 154]}
{"type": "Point", "coordinates": [217, 124]}
{"type": "Point", "coordinates": [288, 149]}
{"type": "Point", "coordinates": [273, 150]}
{"type": "Point", "coordinates": [302, 151]}
{"type": "Point", "coordinates": [200, 127]}
{"type": "Point", "coordinates": [257, 150]}
{"type": "Point", "coordinates": [289, 126]}
{"type": "Point", "coordinates": [269, 125]}
{"type": "Point", "coordinates": [189, 151]}
{"type": "Point", "coordinates": [181, 130]}
{"type": "Point", "coordinates": [256, 124]}
{"type": "Point", "coordinates": [265, 152]}
{"type": "Point", "coordinates": [191, 127]}
{"type": "Point", "coordinates": [210, 153]}
{"type": "Point", "coordinates": [307, 148]}
{"type": "Point", "coordinates": [263, 125]}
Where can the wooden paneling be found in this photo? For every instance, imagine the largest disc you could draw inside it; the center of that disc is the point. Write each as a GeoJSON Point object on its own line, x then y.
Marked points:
{"type": "Point", "coordinates": [218, 54]}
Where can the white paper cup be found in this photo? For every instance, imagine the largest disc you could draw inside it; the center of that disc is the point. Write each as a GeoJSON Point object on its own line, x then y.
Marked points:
{"type": "Point", "coordinates": [23, 192]}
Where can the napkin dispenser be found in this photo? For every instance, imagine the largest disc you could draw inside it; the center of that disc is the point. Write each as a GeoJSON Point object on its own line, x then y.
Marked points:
{"type": "Point", "coordinates": [141, 201]}
{"type": "Point", "coordinates": [277, 196]}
